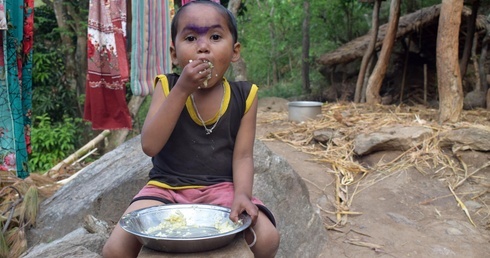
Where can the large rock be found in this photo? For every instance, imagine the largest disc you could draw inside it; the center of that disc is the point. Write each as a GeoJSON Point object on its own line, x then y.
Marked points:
{"type": "Point", "coordinates": [475, 138]}
{"type": "Point", "coordinates": [392, 138]}
{"type": "Point", "coordinates": [474, 99]}
{"type": "Point", "coordinates": [105, 188]}
{"type": "Point", "coordinates": [78, 243]}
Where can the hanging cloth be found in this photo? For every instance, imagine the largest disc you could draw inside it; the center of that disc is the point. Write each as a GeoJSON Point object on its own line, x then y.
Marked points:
{"type": "Point", "coordinates": [187, 1]}
{"type": "Point", "coordinates": [150, 43]}
{"type": "Point", "coordinates": [107, 73]}
{"type": "Point", "coordinates": [16, 43]}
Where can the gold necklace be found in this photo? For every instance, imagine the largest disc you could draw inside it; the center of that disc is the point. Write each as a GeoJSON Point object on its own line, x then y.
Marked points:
{"type": "Point", "coordinates": [209, 130]}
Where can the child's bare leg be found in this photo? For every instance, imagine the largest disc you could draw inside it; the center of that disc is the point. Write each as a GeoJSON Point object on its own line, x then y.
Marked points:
{"type": "Point", "coordinates": [121, 243]}
{"type": "Point", "coordinates": [267, 238]}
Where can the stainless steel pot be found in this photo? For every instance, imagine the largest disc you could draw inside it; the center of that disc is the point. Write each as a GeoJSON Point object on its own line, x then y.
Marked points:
{"type": "Point", "coordinates": [300, 111]}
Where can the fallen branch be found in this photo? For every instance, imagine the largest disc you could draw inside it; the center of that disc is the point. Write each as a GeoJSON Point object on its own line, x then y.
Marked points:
{"type": "Point", "coordinates": [55, 171]}
{"type": "Point", "coordinates": [372, 246]}
{"type": "Point", "coordinates": [461, 204]}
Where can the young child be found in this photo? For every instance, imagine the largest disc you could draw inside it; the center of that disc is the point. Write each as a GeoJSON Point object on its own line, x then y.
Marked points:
{"type": "Point", "coordinates": [200, 131]}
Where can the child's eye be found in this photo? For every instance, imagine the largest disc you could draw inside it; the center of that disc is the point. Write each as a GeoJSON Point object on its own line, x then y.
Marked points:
{"type": "Point", "coordinates": [215, 37]}
{"type": "Point", "coordinates": [190, 38]}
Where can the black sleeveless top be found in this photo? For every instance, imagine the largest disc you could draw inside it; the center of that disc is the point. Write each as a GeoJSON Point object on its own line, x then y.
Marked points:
{"type": "Point", "coordinates": [193, 158]}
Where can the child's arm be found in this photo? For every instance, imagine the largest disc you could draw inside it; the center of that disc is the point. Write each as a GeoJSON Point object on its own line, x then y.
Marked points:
{"type": "Point", "coordinates": [243, 166]}
{"type": "Point", "coordinates": [164, 110]}
{"type": "Point", "coordinates": [161, 119]}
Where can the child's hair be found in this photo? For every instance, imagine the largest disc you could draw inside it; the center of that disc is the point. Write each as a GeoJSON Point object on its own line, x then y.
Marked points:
{"type": "Point", "coordinates": [232, 25]}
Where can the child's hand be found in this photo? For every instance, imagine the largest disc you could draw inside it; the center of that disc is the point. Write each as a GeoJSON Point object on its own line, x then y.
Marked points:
{"type": "Point", "coordinates": [242, 203]}
{"type": "Point", "coordinates": [194, 74]}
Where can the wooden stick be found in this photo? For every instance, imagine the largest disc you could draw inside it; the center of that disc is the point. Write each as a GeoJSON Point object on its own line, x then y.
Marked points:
{"type": "Point", "coordinates": [476, 66]}
{"type": "Point", "coordinates": [55, 171]}
{"type": "Point", "coordinates": [405, 66]}
{"type": "Point", "coordinates": [461, 204]}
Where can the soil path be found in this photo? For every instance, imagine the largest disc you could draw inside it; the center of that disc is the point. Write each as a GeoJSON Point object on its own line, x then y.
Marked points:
{"type": "Point", "coordinates": [403, 214]}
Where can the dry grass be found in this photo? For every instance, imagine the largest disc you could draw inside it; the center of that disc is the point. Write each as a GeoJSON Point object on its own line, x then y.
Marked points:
{"type": "Point", "coordinates": [350, 120]}
{"type": "Point", "coordinates": [20, 201]}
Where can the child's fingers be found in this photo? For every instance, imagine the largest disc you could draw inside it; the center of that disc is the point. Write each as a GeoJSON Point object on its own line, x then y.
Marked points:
{"type": "Point", "coordinates": [253, 212]}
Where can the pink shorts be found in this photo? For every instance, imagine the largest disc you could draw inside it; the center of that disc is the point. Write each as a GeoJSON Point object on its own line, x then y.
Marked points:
{"type": "Point", "coordinates": [219, 194]}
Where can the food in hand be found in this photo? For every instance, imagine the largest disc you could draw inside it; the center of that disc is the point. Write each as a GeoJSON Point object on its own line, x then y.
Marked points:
{"type": "Point", "coordinates": [211, 66]}
{"type": "Point", "coordinates": [205, 83]}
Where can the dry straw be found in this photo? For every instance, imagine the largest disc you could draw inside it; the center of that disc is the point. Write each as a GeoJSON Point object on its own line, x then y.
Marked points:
{"type": "Point", "coordinates": [349, 120]}
{"type": "Point", "coordinates": [20, 201]}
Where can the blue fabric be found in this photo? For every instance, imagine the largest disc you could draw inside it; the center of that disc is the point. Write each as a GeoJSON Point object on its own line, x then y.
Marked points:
{"type": "Point", "coordinates": [16, 87]}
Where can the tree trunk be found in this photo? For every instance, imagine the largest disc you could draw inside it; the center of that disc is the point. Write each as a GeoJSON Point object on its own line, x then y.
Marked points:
{"type": "Point", "coordinates": [239, 67]}
{"type": "Point", "coordinates": [272, 33]}
{"type": "Point", "coordinates": [476, 66]}
{"type": "Point", "coordinates": [73, 50]}
{"type": "Point", "coordinates": [379, 72]}
{"type": "Point", "coordinates": [117, 137]}
{"type": "Point", "coordinates": [273, 48]}
{"type": "Point", "coordinates": [369, 52]}
{"type": "Point", "coordinates": [305, 71]}
{"type": "Point", "coordinates": [68, 46]}
{"type": "Point", "coordinates": [448, 71]}
{"type": "Point", "coordinates": [80, 51]}
{"type": "Point", "coordinates": [483, 58]}
{"type": "Point", "coordinates": [470, 32]}
{"type": "Point", "coordinates": [372, 61]}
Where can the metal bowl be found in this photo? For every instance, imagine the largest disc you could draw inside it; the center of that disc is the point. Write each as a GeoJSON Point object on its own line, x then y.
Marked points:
{"type": "Point", "coordinates": [181, 228]}
{"type": "Point", "coordinates": [300, 111]}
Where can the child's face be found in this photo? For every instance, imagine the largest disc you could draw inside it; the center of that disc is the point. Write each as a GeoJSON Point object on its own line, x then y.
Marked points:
{"type": "Point", "coordinates": [203, 34]}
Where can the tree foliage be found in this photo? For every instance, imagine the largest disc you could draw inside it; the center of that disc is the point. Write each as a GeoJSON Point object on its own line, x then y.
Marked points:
{"type": "Point", "coordinates": [52, 142]}
{"type": "Point", "coordinates": [271, 38]}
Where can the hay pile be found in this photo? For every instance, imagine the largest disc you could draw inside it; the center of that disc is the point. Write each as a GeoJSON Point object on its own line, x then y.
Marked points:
{"type": "Point", "coordinates": [19, 205]}
{"type": "Point", "coordinates": [351, 119]}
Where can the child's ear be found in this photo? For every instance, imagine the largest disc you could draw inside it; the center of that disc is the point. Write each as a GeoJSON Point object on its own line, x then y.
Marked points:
{"type": "Point", "coordinates": [173, 56]}
{"type": "Point", "coordinates": [236, 52]}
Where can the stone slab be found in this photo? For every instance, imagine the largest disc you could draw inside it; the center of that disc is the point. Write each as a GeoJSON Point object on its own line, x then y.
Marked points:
{"type": "Point", "coordinates": [238, 248]}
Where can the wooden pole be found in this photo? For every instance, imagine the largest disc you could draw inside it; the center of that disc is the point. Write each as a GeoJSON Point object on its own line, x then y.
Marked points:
{"type": "Point", "coordinates": [379, 72]}
{"type": "Point", "coordinates": [60, 167]}
{"type": "Point", "coordinates": [405, 65]}
{"type": "Point", "coordinates": [368, 55]}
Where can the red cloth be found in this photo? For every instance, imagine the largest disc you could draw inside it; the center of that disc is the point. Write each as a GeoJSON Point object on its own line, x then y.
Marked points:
{"type": "Point", "coordinates": [187, 1]}
{"type": "Point", "coordinates": [221, 194]}
{"type": "Point", "coordinates": [108, 68]}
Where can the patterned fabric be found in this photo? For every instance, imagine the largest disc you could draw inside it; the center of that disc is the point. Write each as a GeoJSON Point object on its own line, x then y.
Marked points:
{"type": "Point", "coordinates": [16, 84]}
{"type": "Point", "coordinates": [150, 43]}
{"type": "Point", "coordinates": [108, 69]}
{"type": "Point", "coordinates": [188, 1]}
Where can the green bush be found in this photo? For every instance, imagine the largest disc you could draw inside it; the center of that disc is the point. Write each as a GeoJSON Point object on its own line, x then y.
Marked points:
{"type": "Point", "coordinates": [51, 143]}
{"type": "Point", "coordinates": [282, 90]}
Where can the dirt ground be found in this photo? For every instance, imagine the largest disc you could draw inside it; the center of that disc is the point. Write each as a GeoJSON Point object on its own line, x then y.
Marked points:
{"type": "Point", "coordinates": [402, 214]}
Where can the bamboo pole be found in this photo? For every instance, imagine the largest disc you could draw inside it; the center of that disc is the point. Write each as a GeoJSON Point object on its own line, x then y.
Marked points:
{"type": "Point", "coordinates": [60, 167]}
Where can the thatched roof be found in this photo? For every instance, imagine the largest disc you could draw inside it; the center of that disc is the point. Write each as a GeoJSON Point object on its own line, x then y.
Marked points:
{"type": "Point", "coordinates": [409, 23]}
